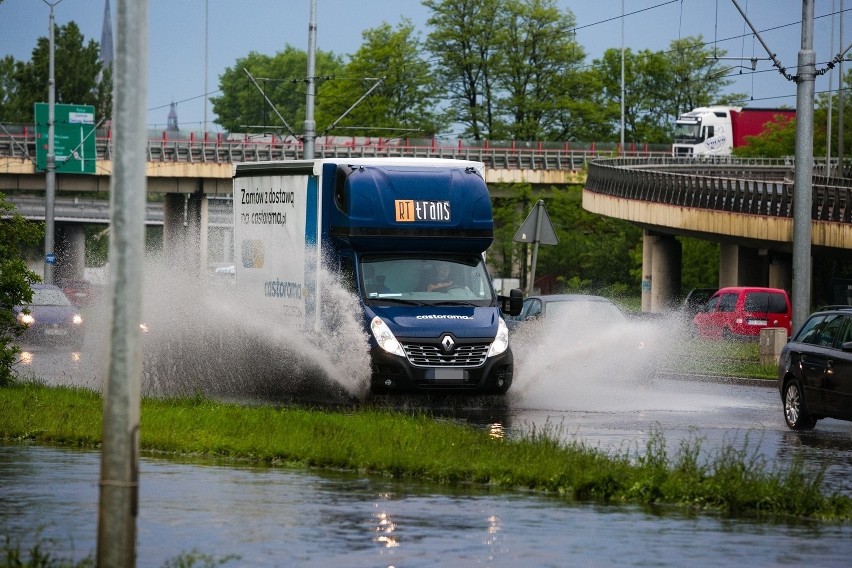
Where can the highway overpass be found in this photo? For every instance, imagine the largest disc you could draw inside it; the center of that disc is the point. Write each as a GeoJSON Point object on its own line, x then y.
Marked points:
{"type": "Point", "coordinates": [746, 205]}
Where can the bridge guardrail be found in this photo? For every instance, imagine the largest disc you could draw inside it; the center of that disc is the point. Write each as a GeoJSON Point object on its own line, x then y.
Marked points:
{"type": "Point", "coordinates": [498, 155]}
{"type": "Point", "coordinates": [723, 185]}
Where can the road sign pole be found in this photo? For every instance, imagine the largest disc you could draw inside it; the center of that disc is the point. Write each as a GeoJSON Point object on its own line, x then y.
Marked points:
{"type": "Point", "coordinates": [536, 229]}
{"type": "Point", "coordinates": [538, 221]}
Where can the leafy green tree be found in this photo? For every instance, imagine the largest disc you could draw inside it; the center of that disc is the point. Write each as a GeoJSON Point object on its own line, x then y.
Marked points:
{"type": "Point", "coordinates": [77, 69]}
{"type": "Point", "coordinates": [510, 205]}
{"type": "Point", "coordinates": [242, 106]}
{"type": "Point", "coordinates": [644, 74]}
{"type": "Point", "coordinates": [8, 89]}
{"type": "Point", "coordinates": [16, 233]}
{"type": "Point", "coordinates": [821, 128]}
{"type": "Point", "coordinates": [592, 248]}
{"type": "Point", "coordinates": [539, 64]}
{"type": "Point", "coordinates": [695, 77]}
{"type": "Point", "coordinates": [583, 112]}
{"type": "Point", "coordinates": [463, 42]}
{"type": "Point", "coordinates": [659, 86]}
{"type": "Point", "coordinates": [700, 264]}
{"type": "Point", "coordinates": [405, 101]}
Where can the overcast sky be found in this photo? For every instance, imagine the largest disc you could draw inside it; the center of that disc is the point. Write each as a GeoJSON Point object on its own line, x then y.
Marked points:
{"type": "Point", "coordinates": [178, 68]}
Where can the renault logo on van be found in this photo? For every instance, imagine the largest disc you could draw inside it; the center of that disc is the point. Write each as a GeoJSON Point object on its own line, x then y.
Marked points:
{"type": "Point", "coordinates": [447, 343]}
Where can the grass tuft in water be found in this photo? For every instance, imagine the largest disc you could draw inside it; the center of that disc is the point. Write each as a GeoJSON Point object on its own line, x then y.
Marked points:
{"type": "Point", "coordinates": [381, 442]}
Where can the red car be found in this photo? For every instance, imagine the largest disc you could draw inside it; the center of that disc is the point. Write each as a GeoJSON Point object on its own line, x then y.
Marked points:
{"type": "Point", "coordinates": [80, 292]}
{"type": "Point", "coordinates": [742, 311]}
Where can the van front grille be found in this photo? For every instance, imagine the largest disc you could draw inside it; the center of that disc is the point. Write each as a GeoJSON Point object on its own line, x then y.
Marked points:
{"type": "Point", "coordinates": [430, 355]}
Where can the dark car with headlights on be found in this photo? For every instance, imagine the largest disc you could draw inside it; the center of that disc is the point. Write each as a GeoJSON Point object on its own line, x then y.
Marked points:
{"type": "Point", "coordinates": [50, 319]}
{"type": "Point", "coordinates": [815, 370]}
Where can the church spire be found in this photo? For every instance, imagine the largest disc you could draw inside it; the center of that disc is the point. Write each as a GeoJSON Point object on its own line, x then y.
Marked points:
{"type": "Point", "coordinates": [107, 51]}
{"type": "Point", "coordinates": [172, 125]}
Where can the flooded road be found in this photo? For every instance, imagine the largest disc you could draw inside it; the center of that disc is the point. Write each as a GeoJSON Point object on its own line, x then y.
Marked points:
{"type": "Point", "coordinates": [277, 517]}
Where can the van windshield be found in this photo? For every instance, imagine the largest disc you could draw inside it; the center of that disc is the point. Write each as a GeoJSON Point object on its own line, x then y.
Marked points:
{"type": "Point", "coordinates": [426, 279]}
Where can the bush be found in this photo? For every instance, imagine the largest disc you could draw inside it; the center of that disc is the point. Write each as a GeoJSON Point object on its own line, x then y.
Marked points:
{"type": "Point", "coordinates": [16, 233]}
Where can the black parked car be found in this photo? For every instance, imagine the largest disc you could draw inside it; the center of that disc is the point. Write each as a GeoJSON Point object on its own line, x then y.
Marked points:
{"type": "Point", "coordinates": [695, 301]}
{"type": "Point", "coordinates": [815, 369]}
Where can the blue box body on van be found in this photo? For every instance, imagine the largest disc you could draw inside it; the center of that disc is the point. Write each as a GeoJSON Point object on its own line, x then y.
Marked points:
{"type": "Point", "coordinates": [407, 236]}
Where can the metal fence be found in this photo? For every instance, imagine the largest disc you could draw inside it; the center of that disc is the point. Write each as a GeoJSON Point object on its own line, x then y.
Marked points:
{"type": "Point", "coordinates": [757, 187]}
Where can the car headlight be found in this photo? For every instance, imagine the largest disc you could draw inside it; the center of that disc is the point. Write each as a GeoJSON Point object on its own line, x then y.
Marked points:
{"type": "Point", "coordinates": [77, 319]}
{"type": "Point", "coordinates": [385, 338]}
{"type": "Point", "coordinates": [26, 319]}
{"type": "Point", "coordinates": [501, 340]}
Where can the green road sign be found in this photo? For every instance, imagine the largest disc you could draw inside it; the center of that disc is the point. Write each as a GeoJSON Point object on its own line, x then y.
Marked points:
{"type": "Point", "coordinates": [73, 138]}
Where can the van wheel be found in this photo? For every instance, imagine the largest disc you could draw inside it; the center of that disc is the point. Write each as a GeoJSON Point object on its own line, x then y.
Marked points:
{"type": "Point", "coordinates": [795, 415]}
{"type": "Point", "coordinates": [727, 335]}
{"type": "Point", "coordinates": [502, 388]}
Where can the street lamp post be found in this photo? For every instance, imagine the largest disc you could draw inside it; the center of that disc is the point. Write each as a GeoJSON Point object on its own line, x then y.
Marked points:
{"type": "Point", "coordinates": [50, 166]}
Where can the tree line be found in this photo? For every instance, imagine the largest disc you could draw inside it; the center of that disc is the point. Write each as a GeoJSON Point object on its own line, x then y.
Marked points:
{"type": "Point", "coordinates": [493, 69]}
{"type": "Point", "coordinates": [496, 69]}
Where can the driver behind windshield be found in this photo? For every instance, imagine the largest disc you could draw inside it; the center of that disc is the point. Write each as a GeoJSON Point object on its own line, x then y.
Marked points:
{"type": "Point", "coordinates": [440, 280]}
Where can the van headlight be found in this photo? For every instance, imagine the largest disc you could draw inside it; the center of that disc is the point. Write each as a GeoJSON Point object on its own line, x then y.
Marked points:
{"type": "Point", "coordinates": [501, 340]}
{"type": "Point", "coordinates": [385, 338]}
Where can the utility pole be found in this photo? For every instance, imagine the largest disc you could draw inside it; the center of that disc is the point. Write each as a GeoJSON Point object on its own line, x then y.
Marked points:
{"type": "Point", "coordinates": [310, 123]}
{"type": "Point", "coordinates": [206, 36]}
{"type": "Point", "coordinates": [119, 478]}
{"type": "Point", "coordinates": [840, 103]}
{"type": "Point", "coordinates": [50, 166]}
{"type": "Point", "coordinates": [804, 164]}
{"type": "Point", "coordinates": [804, 160]}
{"type": "Point", "coordinates": [622, 77]}
{"type": "Point", "coordinates": [828, 169]}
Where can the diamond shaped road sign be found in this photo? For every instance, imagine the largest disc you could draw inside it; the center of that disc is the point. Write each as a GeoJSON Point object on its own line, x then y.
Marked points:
{"type": "Point", "coordinates": [537, 227]}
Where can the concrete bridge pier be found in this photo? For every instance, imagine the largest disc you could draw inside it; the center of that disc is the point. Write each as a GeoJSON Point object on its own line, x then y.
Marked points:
{"type": "Point", "coordinates": [781, 272]}
{"type": "Point", "coordinates": [745, 266]}
{"type": "Point", "coordinates": [70, 239]}
{"type": "Point", "coordinates": [742, 266]}
{"type": "Point", "coordinates": [185, 219]}
{"type": "Point", "coordinates": [661, 267]}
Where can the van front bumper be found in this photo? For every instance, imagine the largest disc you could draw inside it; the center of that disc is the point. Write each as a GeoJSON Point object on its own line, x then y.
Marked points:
{"type": "Point", "coordinates": [393, 373]}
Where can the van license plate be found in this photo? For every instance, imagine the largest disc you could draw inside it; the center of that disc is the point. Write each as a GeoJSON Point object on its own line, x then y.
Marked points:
{"type": "Point", "coordinates": [757, 322]}
{"type": "Point", "coordinates": [55, 331]}
{"type": "Point", "coordinates": [447, 374]}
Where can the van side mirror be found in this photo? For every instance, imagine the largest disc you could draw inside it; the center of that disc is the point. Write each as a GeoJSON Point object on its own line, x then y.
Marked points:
{"type": "Point", "coordinates": [512, 305]}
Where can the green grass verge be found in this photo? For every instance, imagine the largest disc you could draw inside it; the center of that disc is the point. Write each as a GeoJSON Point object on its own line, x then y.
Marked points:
{"type": "Point", "coordinates": [402, 446]}
{"type": "Point", "coordinates": [722, 358]}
